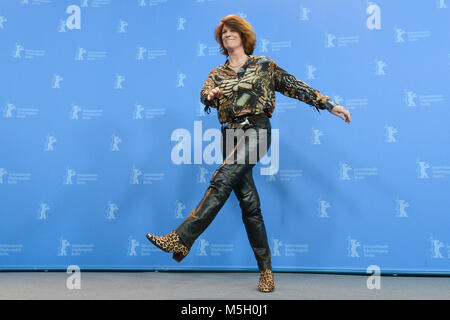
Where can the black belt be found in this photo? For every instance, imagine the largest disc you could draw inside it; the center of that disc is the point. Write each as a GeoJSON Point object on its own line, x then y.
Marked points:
{"type": "Point", "coordinates": [241, 121]}
{"type": "Point", "coordinates": [252, 118]}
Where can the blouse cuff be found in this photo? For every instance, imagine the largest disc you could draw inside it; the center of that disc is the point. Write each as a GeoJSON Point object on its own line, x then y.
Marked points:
{"type": "Point", "coordinates": [330, 105]}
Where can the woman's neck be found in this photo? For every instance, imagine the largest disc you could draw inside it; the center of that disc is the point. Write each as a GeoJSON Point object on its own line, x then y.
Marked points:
{"type": "Point", "coordinates": [237, 56]}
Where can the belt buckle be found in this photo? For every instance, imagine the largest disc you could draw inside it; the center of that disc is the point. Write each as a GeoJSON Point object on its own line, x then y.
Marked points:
{"type": "Point", "coordinates": [245, 122]}
{"type": "Point", "coordinates": [242, 124]}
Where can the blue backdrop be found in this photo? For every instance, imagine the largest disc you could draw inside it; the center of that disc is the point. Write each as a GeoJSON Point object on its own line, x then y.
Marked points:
{"type": "Point", "coordinates": [103, 137]}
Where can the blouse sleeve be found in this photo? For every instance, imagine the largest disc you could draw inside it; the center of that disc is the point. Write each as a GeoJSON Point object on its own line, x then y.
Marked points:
{"type": "Point", "coordinates": [292, 87]}
{"type": "Point", "coordinates": [208, 85]}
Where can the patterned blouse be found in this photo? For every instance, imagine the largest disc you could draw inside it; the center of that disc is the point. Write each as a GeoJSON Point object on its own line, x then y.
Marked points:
{"type": "Point", "coordinates": [252, 89]}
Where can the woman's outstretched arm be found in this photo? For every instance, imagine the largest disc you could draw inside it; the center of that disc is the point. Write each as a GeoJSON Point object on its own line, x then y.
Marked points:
{"type": "Point", "coordinates": [292, 87]}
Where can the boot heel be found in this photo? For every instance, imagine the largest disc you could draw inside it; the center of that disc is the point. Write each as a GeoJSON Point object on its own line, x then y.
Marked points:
{"type": "Point", "coordinates": [178, 256]}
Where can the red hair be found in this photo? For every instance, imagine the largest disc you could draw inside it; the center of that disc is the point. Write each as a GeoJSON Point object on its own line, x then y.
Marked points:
{"type": "Point", "coordinates": [240, 25]}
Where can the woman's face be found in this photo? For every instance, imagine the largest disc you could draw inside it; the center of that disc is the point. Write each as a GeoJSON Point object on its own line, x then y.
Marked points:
{"type": "Point", "coordinates": [231, 39]}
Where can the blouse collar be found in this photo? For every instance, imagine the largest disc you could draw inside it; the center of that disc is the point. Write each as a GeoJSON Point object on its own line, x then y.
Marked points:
{"type": "Point", "coordinates": [227, 62]}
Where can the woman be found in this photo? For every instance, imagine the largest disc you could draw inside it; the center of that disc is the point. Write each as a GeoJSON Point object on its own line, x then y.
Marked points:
{"type": "Point", "coordinates": [243, 92]}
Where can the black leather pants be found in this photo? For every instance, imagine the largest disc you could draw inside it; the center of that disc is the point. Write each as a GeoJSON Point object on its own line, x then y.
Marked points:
{"type": "Point", "coordinates": [235, 174]}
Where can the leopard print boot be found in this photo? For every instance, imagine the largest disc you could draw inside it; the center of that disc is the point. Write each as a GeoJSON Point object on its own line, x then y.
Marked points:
{"type": "Point", "coordinates": [170, 243]}
{"type": "Point", "coordinates": [266, 283]}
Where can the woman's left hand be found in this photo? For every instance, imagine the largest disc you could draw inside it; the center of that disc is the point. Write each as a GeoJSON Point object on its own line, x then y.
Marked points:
{"type": "Point", "coordinates": [337, 110]}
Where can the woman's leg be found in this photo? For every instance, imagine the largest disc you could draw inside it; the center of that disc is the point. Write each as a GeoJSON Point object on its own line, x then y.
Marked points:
{"type": "Point", "coordinates": [222, 183]}
{"type": "Point", "coordinates": [225, 179]}
{"type": "Point", "coordinates": [254, 224]}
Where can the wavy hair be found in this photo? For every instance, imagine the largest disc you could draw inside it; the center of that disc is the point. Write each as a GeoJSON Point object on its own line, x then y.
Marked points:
{"type": "Point", "coordinates": [240, 25]}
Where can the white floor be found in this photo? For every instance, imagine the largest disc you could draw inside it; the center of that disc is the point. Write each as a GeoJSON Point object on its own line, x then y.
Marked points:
{"type": "Point", "coordinates": [216, 285]}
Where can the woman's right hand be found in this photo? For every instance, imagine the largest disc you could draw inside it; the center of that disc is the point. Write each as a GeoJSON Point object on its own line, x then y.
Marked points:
{"type": "Point", "coordinates": [215, 93]}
